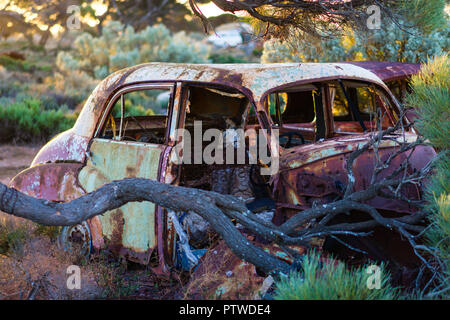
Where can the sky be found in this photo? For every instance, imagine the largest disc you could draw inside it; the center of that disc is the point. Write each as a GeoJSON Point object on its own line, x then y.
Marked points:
{"type": "Point", "coordinates": [209, 9]}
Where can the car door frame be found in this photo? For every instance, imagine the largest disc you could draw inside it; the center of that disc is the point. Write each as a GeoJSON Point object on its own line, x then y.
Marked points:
{"type": "Point", "coordinates": [165, 235]}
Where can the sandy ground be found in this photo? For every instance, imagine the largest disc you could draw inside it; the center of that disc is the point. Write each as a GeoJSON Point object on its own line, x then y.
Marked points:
{"type": "Point", "coordinates": [14, 159]}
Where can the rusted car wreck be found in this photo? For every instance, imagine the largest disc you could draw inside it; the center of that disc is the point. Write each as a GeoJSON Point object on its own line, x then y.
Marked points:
{"type": "Point", "coordinates": [396, 75]}
{"type": "Point", "coordinates": [127, 128]}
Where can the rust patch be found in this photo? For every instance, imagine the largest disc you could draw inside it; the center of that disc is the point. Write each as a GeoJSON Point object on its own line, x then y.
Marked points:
{"type": "Point", "coordinates": [53, 181]}
{"type": "Point", "coordinates": [222, 275]}
{"type": "Point", "coordinates": [131, 172]}
{"type": "Point", "coordinates": [115, 241]}
{"type": "Point", "coordinates": [96, 233]}
{"type": "Point", "coordinates": [138, 257]}
{"type": "Point", "coordinates": [229, 77]}
{"type": "Point", "coordinates": [66, 146]}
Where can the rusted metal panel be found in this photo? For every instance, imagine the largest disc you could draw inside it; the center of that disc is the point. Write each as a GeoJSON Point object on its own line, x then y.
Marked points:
{"type": "Point", "coordinates": [56, 182]}
{"type": "Point", "coordinates": [304, 154]}
{"type": "Point", "coordinates": [53, 181]}
{"type": "Point", "coordinates": [130, 229]}
{"type": "Point", "coordinates": [67, 146]}
{"type": "Point", "coordinates": [389, 71]}
{"type": "Point", "coordinates": [222, 275]}
{"type": "Point", "coordinates": [166, 235]}
{"type": "Point", "coordinates": [317, 173]}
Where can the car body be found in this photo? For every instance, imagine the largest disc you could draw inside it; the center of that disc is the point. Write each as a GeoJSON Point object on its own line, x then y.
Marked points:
{"type": "Point", "coordinates": [396, 75]}
{"type": "Point", "coordinates": [311, 169]}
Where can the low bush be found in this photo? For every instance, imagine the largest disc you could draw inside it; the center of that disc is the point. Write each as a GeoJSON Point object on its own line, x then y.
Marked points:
{"type": "Point", "coordinates": [330, 279]}
{"type": "Point", "coordinates": [430, 97]}
{"type": "Point", "coordinates": [28, 121]}
{"type": "Point", "coordinates": [12, 238]}
{"type": "Point", "coordinates": [9, 89]}
{"type": "Point", "coordinates": [22, 66]}
{"type": "Point", "coordinates": [225, 58]}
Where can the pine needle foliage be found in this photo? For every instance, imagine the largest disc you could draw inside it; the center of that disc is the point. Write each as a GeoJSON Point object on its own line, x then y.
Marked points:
{"type": "Point", "coordinates": [430, 98]}
{"type": "Point", "coordinates": [330, 279]}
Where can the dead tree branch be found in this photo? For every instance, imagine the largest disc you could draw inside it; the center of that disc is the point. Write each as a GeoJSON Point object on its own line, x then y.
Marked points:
{"type": "Point", "coordinates": [321, 18]}
{"type": "Point", "coordinates": [220, 210]}
{"type": "Point", "coordinates": [209, 205]}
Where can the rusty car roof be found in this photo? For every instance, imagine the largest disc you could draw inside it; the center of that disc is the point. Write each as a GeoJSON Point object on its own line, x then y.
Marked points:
{"type": "Point", "coordinates": [253, 79]}
{"type": "Point", "coordinates": [389, 71]}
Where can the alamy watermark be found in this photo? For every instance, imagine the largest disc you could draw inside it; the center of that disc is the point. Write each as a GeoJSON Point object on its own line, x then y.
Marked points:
{"type": "Point", "coordinates": [374, 20]}
{"type": "Point", "coordinates": [73, 21]}
{"type": "Point", "coordinates": [74, 277]}
{"type": "Point", "coordinates": [228, 147]}
{"type": "Point", "coordinates": [374, 280]}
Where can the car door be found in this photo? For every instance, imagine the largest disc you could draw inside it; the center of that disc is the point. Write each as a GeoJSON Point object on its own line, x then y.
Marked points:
{"type": "Point", "coordinates": [132, 139]}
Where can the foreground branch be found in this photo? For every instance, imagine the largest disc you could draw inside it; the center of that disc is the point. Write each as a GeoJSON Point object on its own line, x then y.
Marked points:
{"type": "Point", "coordinates": [207, 204]}
{"type": "Point", "coordinates": [220, 210]}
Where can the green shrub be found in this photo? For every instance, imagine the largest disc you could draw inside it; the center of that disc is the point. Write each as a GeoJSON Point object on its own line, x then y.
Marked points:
{"type": "Point", "coordinates": [430, 97]}
{"type": "Point", "coordinates": [27, 121]}
{"type": "Point", "coordinates": [431, 100]}
{"type": "Point", "coordinates": [12, 238]}
{"type": "Point", "coordinates": [438, 236]}
{"type": "Point", "coordinates": [119, 47]}
{"type": "Point", "coordinates": [225, 58]}
{"type": "Point", "coordinates": [330, 279]}
{"type": "Point", "coordinates": [426, 14]}
{"type": "Point", "coordinates": [70, 89]}
{"type": "Point", "coordinates": [390, 43]}
{"type": "Point", "coordinates": [22, 66]}
{"type": "Point", "coordinates": [14, 64]}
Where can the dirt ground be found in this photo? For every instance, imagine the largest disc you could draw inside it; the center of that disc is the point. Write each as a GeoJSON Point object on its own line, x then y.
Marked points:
{"type": "Point", "coordinates": [14, 159]}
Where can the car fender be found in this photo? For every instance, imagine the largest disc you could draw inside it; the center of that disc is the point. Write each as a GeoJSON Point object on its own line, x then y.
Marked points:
{"type": "Point", "coordinates": [56, 182]}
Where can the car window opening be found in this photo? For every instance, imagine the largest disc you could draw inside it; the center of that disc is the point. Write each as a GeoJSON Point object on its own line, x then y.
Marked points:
{"type": "Point", "coordinates": [359, 107]}
{"type": "Point", "coordinates": [298, 113]}
{"type": "Point", "coordinates": [140, 116]}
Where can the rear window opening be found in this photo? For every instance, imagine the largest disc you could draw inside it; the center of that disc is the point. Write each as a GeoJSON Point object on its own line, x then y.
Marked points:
{"type": "Point", "coordinates": [299, 112]}
{"type": "Point", "coordinates": [359, 107]}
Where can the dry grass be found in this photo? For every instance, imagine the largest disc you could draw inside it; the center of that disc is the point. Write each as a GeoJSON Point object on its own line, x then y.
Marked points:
{"type": "Point", "coordinates": [29, 256]}
{"type": "Point", "coordinates": [37, 261]}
